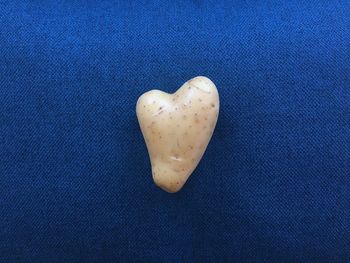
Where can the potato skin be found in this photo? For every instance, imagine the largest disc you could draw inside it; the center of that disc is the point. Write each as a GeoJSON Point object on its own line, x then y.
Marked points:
{"type": "Point", "coordinates": [177, 129]}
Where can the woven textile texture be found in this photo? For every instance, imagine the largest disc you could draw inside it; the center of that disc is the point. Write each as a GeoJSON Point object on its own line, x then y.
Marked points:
{"type": "Point", "coordinates": [75, 177]}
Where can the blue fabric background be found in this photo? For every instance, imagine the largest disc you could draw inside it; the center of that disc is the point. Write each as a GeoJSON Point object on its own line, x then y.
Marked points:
{"type": "Point", "coordinates": [75, 178]}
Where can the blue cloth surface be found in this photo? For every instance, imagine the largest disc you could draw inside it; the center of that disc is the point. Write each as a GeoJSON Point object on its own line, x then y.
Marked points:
{"type": "Point", "coordinates": [75, 178]}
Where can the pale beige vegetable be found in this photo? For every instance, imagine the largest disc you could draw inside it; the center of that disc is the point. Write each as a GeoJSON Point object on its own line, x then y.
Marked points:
{"type": "Point", "coordinates": [177, 128]}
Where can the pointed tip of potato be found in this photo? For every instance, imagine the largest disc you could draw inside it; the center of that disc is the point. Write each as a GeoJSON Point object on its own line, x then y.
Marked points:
{"type": "Point", "coordinates": [166, 178]}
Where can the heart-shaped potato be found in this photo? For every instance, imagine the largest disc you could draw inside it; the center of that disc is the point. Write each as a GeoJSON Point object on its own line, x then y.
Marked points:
{"type": "Point", "coordinates": [177, 129]}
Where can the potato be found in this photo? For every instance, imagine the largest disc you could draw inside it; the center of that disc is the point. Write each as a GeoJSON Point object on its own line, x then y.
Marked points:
{"type": "Point", "coordinates": [177, 129]}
